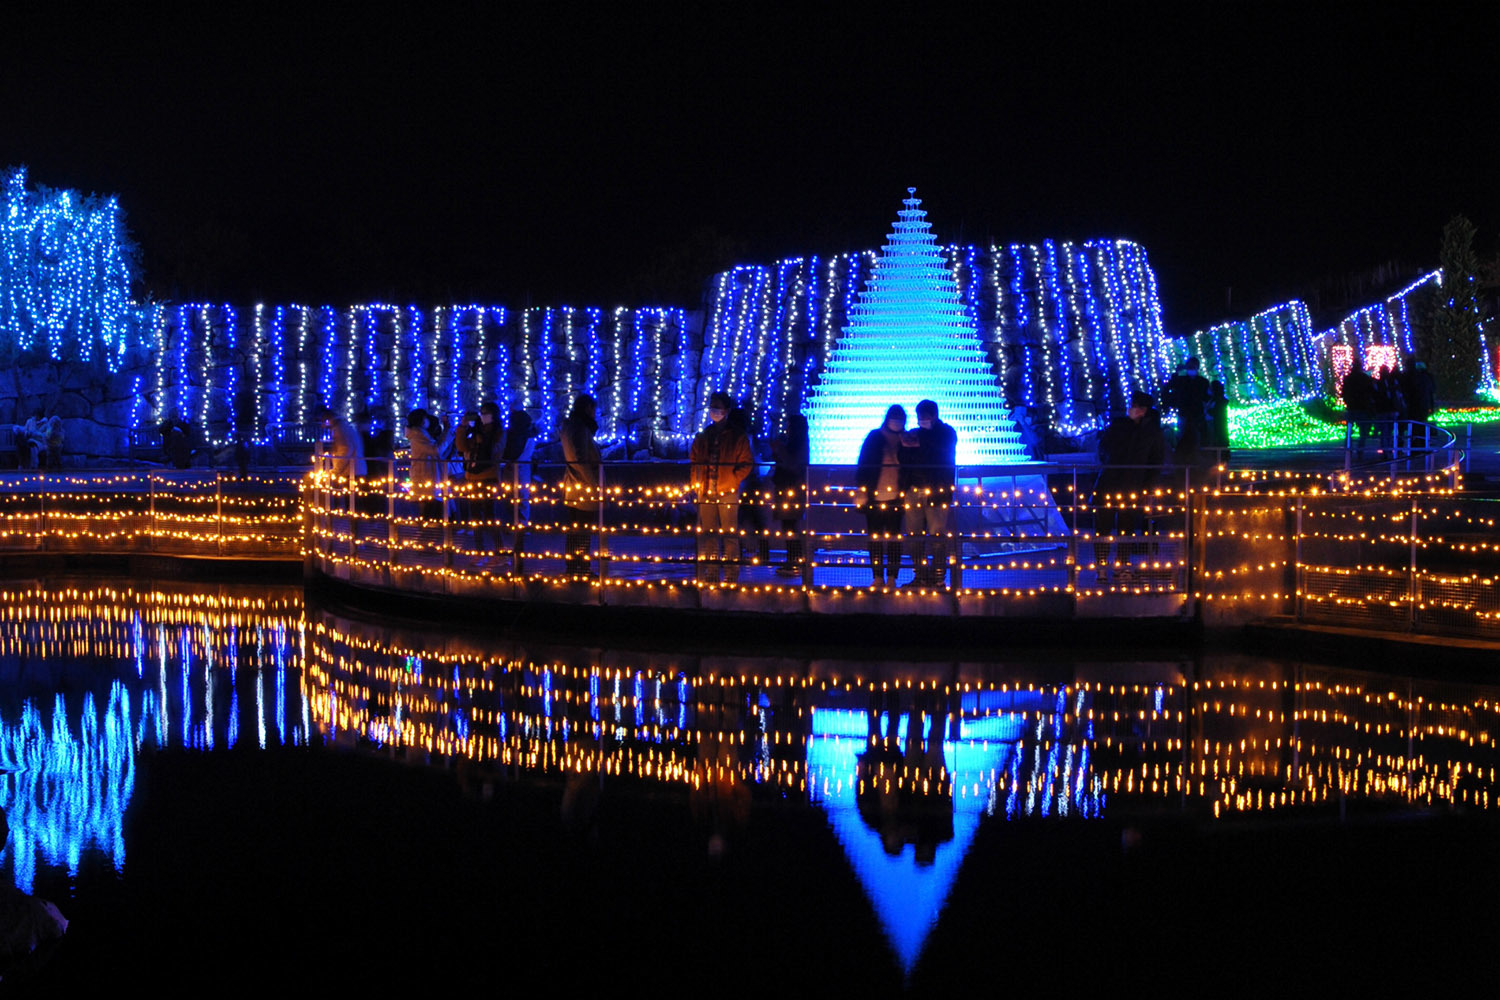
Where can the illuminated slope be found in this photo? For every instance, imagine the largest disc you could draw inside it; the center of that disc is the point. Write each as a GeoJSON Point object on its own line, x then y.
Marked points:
{"type": "Point", "coordinates": [909, 339]}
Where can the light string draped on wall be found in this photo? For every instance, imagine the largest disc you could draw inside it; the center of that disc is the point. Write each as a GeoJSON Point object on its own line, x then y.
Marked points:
{"type": "Point", "coordinates": [66, 267]}
{"type": "Point", "coordinates": [372, 363]}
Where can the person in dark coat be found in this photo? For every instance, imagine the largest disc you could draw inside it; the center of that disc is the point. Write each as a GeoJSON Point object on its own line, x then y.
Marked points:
{"type": "Point", "coordinates": [878, 478]}
{"type": "Point", "coordinates": [1361, 402]}
{"type": "Point", "coordinates": [582, 482]}
{"type": "Point", "coordinates": [929, 457]}
{"type": "Point", "coordinates": [1421, 397]}
{"type": "Point", "coordinates": [486, 446]}
{"type": "Point", "coordinates": [1218, 408]}
{"type": "Point", "coordinates": [1131, 452]}
{"type": "Point", "coordinates": [515, 480]}
{"type": "Point", "coordinates": [1187, 393]}
{"type": "Point", "coordinates": [789, 485]}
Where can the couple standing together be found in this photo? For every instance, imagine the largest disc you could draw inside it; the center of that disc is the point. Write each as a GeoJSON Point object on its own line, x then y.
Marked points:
{"type": "Point", "coordinates": [906, 479]}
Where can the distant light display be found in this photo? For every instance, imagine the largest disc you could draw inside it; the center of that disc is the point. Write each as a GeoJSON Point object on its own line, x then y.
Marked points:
{"type": "Point", "coordinates": [1387, 323]}
{"type": "Point", "coordinates": [1264, 358]}
{"type": "Point", "coordinates": [1054, 334]}
{"type": "Point", "coordinates": [66, 268]}
{"type": "Point", "coordinates": [910, 337]}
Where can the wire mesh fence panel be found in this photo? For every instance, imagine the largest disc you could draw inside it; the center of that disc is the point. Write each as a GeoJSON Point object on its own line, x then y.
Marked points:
{"type": "Point", "coordinates": [1468, 605]}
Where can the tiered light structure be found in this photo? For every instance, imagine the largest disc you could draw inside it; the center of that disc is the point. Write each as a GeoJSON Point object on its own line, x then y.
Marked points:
{"type": "Point", "coordinates": [911, 338]}
{"type": "Point", "coordinates": [66, 267]}
{"type": "Point", "coordinates": [1069, 329]}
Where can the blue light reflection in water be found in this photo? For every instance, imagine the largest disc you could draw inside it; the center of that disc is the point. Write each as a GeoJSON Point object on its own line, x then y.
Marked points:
{"type": "Point", "coordinates": [69, 761]}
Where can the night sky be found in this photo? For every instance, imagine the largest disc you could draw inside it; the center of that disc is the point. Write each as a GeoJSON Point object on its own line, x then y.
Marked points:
{"type": "Point", "coordinates": [561, 156]}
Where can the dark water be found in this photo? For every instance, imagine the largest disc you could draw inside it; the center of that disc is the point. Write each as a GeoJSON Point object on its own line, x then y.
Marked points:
{"type": "Point", "coordinates": [225, 786]}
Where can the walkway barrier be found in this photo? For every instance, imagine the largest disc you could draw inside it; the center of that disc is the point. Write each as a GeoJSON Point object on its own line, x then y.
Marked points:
{"type": "Point", "coordinates": [198, 513]}
{"type": "Point", "coordinates": [1409, 553]}
{"type": "Point", "coordinates": [1027, 529]}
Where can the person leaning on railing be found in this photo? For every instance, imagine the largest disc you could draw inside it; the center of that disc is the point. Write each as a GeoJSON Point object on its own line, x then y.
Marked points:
{"type": "Point", "coordinates": [581, 481]}
{"type": "Point", "coordinates": [721, 459]}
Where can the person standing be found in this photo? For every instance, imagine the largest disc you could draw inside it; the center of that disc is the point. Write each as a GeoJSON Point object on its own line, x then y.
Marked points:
{"type": "Point", "coordinates": [929, 457]}
{"type": "Point", "coordinates": [721, 460]}
{"type": "Point", "coordinates": [482, 478]}
{"type": "Point", "coordinates": [582, 493]}
{"type": "Point", "coordinates": [515, 476]}
{"type": "Point", "coordinates": [1187, 393]}
{"type": "Point", "coordinates": [878, 477]}
{"type": "Point", "coordinates": [789, 486]}
{"type": "Point", "coordinates": [1131, 452]}
{"type": "Point", "coordinates": [424, 459]}
{"type": "Point", "coordinates": [1360, 402]}
{"type": "Point", "coordinates": [1421, 397]}
{"type": "Point", "coordinates": [346, 453]}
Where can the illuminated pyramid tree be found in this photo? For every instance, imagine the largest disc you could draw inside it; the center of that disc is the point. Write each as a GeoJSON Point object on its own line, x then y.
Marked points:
{"type": "Point", "coordinates": [909, 339]}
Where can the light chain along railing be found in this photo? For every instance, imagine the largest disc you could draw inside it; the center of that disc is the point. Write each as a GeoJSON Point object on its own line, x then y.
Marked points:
{"type": "Point", "coordinates": [199, 513]}
{"type": "Point", "coordinates": [1424, 562]}
{"type": "Point", "coordinates": [1015, 530]}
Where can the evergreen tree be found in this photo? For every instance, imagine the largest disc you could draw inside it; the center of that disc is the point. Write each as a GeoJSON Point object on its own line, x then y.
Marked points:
{"type": "Point", "coordinates": [1454, 345]}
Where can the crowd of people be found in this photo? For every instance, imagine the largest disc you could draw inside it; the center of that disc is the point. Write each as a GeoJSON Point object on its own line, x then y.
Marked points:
{"type": "Point", "coordinates": [905, 478]}
{"type": "Point", "coordinates": [1391, 395]}
{"type": "Point", "coordinates": [905, 483]}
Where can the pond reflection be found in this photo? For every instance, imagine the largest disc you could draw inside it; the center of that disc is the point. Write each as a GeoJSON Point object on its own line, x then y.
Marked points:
{"type": "Point", "coordinates": [92, 679]}
{"type": "Point", "coordinates": [905, 759]}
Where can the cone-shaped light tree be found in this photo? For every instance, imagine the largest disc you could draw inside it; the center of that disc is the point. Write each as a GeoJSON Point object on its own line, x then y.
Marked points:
{"type": "Point", "coordinates": [909, 338]}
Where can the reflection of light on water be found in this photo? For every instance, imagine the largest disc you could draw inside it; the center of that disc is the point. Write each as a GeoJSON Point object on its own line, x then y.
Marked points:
{"type": "Point", "coordinates": [67, 785]}
{"type": "Point", "coordinates": [69, 770]}
{"type": "Point", "coordinates": [908, 891]}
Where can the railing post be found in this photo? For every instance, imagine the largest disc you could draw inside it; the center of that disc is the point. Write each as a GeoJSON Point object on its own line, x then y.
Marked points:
{"type": "Point", "coordinates": [41, 500]}
{"type": "Point", "coordinates": [955, 547]}
{"type": "Point", "coordinates": [1187, 532]}
{"type": "Point", "coordinates": [219, 507]}
{"type": "Point", "coordinates": [603, 548]}
{"type": "Point", "coordinates": [1411, 582]}
{"type": "Point", "coordinates": [807, 535]}
{"type": "Point", "coordinates": [1297, 576]}
{"type": "Point", "coordinates": [447, 492]}
{"type": "Point", "coordinates": [150, 512]}
{"type": "Point", "coordinates": [1073, 539]}
{"type": "Point", "coordinates": [353, 519]}
{"type": "Point", "coordinates": [1348, 442]}
{"type": "Point", "coordinates": [391, 537]}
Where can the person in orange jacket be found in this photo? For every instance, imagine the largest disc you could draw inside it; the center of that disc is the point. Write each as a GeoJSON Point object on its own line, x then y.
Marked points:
{"type": "Point", "coordinates": [721, 460]}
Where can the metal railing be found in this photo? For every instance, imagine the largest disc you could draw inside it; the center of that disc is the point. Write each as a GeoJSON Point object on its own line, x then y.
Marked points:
{"type": "Point", "coordinates": [204, 513]}
{"type": "Point", "coordinates": [1029, 529]}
